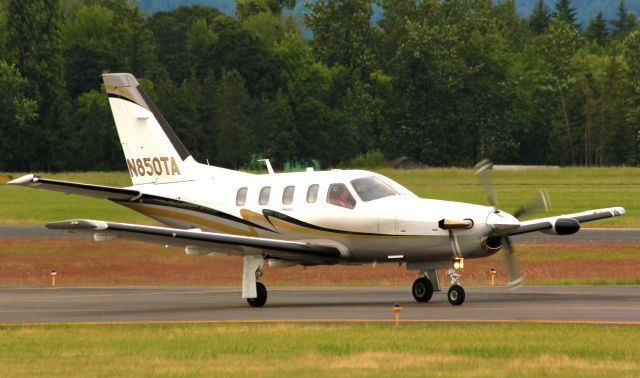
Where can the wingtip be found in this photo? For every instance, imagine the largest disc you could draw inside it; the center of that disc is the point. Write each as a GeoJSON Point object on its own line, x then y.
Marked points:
{"type": "Point", "coordinates": [77, 224]}
{"type": "Point", "coordinates": [24, 180]}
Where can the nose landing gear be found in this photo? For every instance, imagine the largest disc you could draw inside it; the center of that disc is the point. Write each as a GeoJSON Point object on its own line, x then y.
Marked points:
{"type": "Point", "coordinates": [456, 294]}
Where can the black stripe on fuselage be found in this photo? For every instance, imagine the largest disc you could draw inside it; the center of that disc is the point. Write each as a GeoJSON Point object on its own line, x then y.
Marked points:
{"type": "Point", "coordinates": [182, 205]}
{"type": "Point", "coordinates": [283, 217]}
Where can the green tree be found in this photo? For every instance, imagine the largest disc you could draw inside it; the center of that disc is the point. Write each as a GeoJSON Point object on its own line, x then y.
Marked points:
{"type": "Point", "coordinates": [93, 141]}
{"type": "Point", "coordinates": [632, 59]}
{"type": "Point", "coordinates": [597, 30]}
{"type": "Point", "coordinates": [3, 28]}
{"type": "Point", "coordinates": [625, 22]}
{"type": "Point", "coordinates": [109, 35]}
{"type": "Point", "coordinates": [171, 29]}
{"type": "Point", "coordinates": [342, 34]}
{"type": "Point", "coordinates": [556, 48]}
{"type": "Point", "coordinates": [17, 119]}
{"type": "Point", "coordinates": [235, 136]}
{"type": "Point", "coordinates": [316, 125]}
{"type": "Point", "coordinates": [566, 13]}
{"type": "Point", "coordinates": [277, 137]}
{"type": "Point", "coordinates": [540, 18]}
{"type": "Point", "coordinates": [33, 45]}
{"type": "Point", "coordinates": [248, 8]}
{"type": "Point", "coordinates": [617, 136]}
{"type": "Point", "coordinates": [201, 42]}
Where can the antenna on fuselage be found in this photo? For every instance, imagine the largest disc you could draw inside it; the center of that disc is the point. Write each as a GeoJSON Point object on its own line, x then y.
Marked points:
{"type": "Point", "coordinates": [269, 167]}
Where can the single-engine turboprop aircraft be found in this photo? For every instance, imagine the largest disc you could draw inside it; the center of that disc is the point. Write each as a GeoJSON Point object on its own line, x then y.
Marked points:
{"type": "Point", "coordinates": [286, 219]}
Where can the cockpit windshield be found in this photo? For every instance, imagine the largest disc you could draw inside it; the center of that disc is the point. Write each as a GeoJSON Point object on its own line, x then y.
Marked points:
{"type": "Point", "coordinates": [372, 188]}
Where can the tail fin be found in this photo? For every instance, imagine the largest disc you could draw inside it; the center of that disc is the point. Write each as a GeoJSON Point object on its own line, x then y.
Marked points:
{"type": "Point", "coordinates": [153, 151]}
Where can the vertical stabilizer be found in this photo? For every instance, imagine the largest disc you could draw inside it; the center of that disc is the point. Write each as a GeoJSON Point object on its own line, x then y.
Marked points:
{"type": "Point", "coordinates": [152, 150]}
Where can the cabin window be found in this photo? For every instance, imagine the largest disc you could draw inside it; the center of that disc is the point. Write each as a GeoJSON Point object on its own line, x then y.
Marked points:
{"type": "Point", "coordinates": [264, 195]}
{"type": "Point", "coordinates": [241, 196]}
{"type": "Point", "coordinates": [312, 193]}
{"type": "Point", "coordinates": [372, 188]}
{"type": "Point", "coordinates": [287, 195]}
{"type": "Point", "coordinates": [339, 195]}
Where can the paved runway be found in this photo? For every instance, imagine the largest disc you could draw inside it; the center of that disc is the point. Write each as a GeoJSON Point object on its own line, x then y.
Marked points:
{"type": "Point", "coordinates": [572, 304]}
{"type": "Point", "coordinates": [586, 235]}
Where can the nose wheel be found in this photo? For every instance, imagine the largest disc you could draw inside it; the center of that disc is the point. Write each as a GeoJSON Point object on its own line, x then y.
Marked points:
{"type": "Point", "coordinates": [455, 295]}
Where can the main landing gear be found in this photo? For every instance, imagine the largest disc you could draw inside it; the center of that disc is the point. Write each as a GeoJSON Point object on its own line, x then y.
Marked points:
{"type": "Point", "coordinates": [261, 299]}
{"type": "Point", "coordinates": [252, 290]}
{"type": "Point", "coordinates": [422, 289]}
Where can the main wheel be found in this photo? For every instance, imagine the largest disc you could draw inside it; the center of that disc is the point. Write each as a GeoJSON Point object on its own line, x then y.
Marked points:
{"type": "Point", "coordinates": [261, 299]}
{"type": "Point", "coordinates": [456, 295]}
{"type": "Point", "coordinates": [422, 289]}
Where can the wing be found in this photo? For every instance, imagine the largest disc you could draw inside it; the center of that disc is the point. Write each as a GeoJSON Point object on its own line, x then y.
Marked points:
{"type": "Point", "coordinates": [566, 224]}
{"type": "Point", "coordinates": [97, 191]}
{"type": "Point", "coordinates": [207, 242]}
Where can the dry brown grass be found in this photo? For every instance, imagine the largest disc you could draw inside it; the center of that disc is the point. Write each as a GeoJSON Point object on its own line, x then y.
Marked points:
{"type": "Point", "coordinates": [82, 262]}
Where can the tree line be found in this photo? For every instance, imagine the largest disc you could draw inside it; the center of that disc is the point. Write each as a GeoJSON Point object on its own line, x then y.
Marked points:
{"type": "Point", "coordinates": [447, 82]}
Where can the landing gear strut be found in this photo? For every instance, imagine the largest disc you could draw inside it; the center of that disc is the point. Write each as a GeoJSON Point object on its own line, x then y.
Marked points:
{"type": "Point", "coordinates": [253, 291]}
{"type": "Point", "coordinates": [455, 295]}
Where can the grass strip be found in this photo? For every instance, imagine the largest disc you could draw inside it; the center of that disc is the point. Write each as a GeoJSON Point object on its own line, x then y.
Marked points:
{"type": "Point", "coordinates": [363, 349]}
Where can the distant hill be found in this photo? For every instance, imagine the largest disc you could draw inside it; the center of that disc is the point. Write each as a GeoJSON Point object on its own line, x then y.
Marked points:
{"type": "Point", "coordinates": [587, 9]}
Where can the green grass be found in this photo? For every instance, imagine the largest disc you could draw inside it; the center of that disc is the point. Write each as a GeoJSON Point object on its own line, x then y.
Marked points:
{"type": "Point", "coordinates": [276, 350]}
{"type": "Point", "coordinates": [571, 190]}
{"type": "Point", "coordinates": [19, 205]}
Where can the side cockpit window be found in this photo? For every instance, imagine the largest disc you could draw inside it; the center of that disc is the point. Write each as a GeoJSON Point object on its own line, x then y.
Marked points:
{"type": "Point", "coordinates": [312, 193]}
{"type": "Point", "coordinates": [372, 188]}
{"type": "Point", "coordinates": [339, 195]}
{"type": "Point", "coordinates": [241, 196]}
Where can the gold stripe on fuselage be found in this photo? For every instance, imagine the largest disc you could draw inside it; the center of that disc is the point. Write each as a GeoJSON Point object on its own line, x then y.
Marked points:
{"type": "Point", "coordinates": [278, 224]}
{"type": "Point", "coordinates": [178, 214]}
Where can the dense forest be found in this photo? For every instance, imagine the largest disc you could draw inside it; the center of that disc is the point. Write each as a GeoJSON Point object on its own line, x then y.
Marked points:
{"type": "Point", "coordinates": [447, 82]}
{"type": "Point", "coordinates": [587, 9]}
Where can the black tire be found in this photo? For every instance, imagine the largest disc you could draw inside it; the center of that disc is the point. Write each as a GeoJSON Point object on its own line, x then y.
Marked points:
{"type": "Point", "coordinates": [261, 299]}
{"type": "Point", "coordinates": [456, 295]}
{"type": "Point", "coordinates": [422, 289]}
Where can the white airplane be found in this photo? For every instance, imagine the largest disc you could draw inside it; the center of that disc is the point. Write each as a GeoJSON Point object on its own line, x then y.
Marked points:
{"type": "Point", "coordinates": [308, 218]}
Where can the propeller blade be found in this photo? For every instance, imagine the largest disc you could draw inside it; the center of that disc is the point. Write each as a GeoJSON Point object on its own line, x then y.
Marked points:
{"type": "Point", "coordinates": [540, 201]}
{"type": "Point", "coordinates": [483, 170]}
{"type": "Point", "coordinates": [513, 268]}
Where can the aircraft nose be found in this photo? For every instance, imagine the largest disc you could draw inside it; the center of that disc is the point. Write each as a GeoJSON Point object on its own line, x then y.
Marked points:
{"type": "Point", "coordinates": [502, 223]}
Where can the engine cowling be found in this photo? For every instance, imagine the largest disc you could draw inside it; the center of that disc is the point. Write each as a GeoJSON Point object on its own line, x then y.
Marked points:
{"type": "Point", "coordinates": [563, 226]}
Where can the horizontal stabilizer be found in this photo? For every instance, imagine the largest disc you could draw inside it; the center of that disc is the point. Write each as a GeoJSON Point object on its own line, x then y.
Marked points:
{"type": "Point", "coordinates": [97, 191]}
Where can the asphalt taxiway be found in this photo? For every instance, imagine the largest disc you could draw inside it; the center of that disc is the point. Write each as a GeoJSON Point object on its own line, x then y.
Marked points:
{"type": "Point", "coordinates": [548, 304]}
